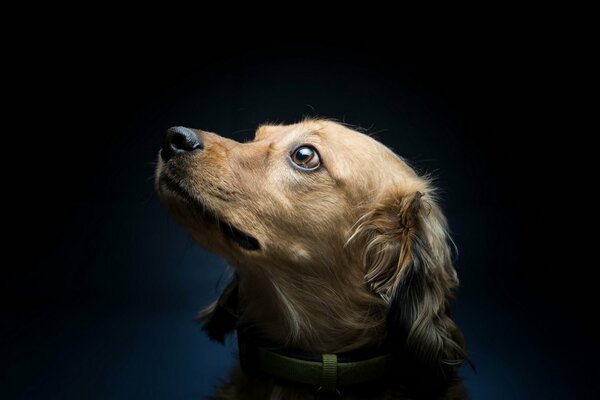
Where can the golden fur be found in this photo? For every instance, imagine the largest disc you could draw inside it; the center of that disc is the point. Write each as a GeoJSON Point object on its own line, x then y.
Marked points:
{"type": "Point", "coordinates": [355, 254]}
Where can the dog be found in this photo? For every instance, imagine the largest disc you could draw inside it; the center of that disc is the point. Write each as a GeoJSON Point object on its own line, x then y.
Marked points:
{"type": "Point", "coordinates": [342, 257]}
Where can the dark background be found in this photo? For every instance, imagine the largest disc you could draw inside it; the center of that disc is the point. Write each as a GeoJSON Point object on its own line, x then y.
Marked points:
{"type": "Point", "coordinates": [100, 286]}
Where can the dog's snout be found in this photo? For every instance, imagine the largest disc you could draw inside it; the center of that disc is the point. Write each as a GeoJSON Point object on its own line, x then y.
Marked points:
{"type": "Point", "coordinates": [180, 140]}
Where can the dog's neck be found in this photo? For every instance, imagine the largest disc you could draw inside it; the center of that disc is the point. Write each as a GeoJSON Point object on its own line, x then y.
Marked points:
{"type": "Point", "coordinates": [317, 314]}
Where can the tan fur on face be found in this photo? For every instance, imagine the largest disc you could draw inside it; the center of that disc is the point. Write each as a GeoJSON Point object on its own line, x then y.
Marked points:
{"type": "Point", "coordinates": [334, 243]}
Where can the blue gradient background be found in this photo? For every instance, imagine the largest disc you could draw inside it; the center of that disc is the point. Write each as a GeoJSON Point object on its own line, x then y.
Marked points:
{"type": "Point", "coordinates": [102, 304]}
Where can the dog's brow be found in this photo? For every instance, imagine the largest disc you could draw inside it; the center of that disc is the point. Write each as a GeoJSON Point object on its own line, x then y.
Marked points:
{"type": "Point", "coordinates": [270, 150]}
{"type": "Point", "coordinates": [264, 131]}
{"type": "Point", "coordinates": [318, 133]}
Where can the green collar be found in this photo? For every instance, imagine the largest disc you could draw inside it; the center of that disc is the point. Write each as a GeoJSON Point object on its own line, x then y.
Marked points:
{"type": "Point", "coordinates": [327, 372]}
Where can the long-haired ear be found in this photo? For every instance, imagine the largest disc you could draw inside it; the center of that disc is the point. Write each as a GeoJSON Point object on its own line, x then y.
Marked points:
{"type": "Point", "coordinates": [408, 262]}
{"type": "Point", "coordinates": [220, 318]}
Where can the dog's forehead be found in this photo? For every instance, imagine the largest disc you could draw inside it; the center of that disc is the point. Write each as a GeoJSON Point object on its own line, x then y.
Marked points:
{"type": "Point", "coordinates": [278, 132]}
{"type": "Point", "coordinates": [328, 132]}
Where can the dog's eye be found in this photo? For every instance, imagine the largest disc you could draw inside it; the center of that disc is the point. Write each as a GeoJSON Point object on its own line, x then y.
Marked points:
{"type": "Point", "coordinates": [306, 158]}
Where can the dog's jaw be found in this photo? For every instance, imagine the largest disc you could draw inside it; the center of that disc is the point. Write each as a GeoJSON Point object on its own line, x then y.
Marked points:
{"type": "Point", "coordinates": [203, 223]}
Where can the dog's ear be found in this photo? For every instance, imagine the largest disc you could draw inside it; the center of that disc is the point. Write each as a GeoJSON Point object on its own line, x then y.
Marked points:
{"type": "Point", "coordinates": [220, 318]}
{"type": "Point", "coordinates": [408, 262]}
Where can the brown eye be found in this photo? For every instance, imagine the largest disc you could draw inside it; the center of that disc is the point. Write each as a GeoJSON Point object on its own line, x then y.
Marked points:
{"type": "Point", "coordinates": [306, 157]}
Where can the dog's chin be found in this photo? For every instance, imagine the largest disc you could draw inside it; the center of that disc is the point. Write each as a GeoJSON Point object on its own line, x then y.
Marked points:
{"type": "Point", "coordinates": [191, 212]}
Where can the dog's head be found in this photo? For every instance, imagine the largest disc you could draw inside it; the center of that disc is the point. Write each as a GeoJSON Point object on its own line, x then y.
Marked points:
{"type": "Point", "coordinates": [283, 195]}
{"type": "Point", "coordinates": [320, 203]}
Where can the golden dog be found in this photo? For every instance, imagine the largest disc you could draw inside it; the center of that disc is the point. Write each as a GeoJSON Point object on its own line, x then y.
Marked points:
{"type": "Point", "coordinates": [341, 254]}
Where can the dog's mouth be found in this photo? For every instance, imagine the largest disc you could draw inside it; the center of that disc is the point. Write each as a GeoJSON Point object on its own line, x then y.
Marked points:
{"type": "Point", "coordinates": [241, 238]}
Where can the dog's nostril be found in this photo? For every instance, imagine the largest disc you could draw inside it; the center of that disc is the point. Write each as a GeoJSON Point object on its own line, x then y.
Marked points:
{"type": "Point", "coordinates": [180, 140]}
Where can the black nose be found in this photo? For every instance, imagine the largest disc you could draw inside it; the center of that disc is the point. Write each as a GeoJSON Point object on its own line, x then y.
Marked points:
{"type": "Point", "coordinates": [180, 140]}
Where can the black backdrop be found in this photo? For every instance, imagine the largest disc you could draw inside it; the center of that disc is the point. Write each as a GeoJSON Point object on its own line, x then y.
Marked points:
{"type": "Point", "coordinates": [100, 287]}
